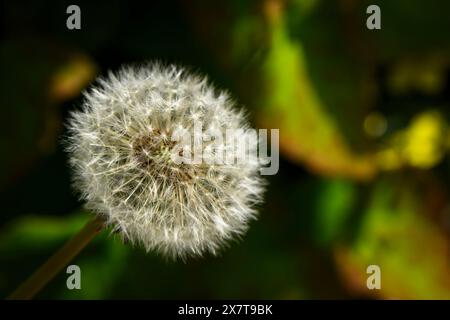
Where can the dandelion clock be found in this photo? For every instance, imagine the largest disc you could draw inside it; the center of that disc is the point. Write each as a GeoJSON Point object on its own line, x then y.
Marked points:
{"type": "Point", "coordinates": [126, 166]}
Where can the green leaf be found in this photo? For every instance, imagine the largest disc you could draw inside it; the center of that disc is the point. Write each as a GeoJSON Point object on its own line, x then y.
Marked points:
{"type": "Point", "coordinates": [30, 240]}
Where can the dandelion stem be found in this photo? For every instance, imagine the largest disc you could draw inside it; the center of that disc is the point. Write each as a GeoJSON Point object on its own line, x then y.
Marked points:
{"type": "Point", "coordinates": [58, 261]}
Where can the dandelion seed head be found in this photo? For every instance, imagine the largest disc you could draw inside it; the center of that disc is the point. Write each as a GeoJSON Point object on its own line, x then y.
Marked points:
{"type": "Point", "coordinates": [120, 149]}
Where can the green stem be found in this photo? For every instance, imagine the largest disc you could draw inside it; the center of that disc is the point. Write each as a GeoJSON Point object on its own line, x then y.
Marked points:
{"type": "Point", "coordinates": [58, 261]}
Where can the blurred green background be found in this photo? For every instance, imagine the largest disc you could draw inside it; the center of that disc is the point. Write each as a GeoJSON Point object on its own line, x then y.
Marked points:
{"type": "Point", "coordinates": [363, 116]}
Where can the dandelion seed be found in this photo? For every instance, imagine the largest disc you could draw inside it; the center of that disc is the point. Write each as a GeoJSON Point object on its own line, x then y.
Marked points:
{"type": "Point", "coordinates": [120, 148]}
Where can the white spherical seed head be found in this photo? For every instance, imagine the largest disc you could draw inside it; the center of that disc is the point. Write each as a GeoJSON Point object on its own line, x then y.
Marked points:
{"type": "Point", "coordinates": [120, 145]}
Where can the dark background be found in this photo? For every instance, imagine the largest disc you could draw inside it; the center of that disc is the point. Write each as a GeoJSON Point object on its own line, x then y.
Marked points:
{"type": "Point", "coordinates": [363, 118]}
